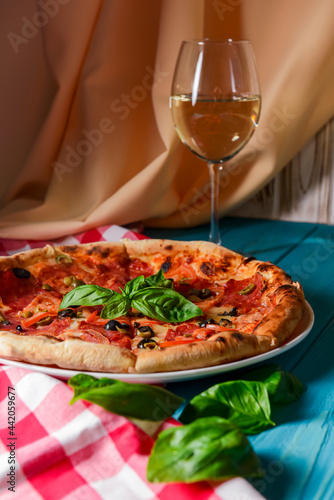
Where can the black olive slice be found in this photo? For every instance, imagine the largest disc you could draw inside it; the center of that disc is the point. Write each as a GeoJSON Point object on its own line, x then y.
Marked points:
{"type": "Point", "coordinates": [202, 294]}
{"type": "Point", "coordinates": [232, 312]}
{"type": "Point", "coordinates": [67, 313]}
{"type": "Point", "coordinates": [145, 331]}
{"type": "Point", "coordinates": [226, 322]}
{"type": "Point", "coordinates": [205, 293]}
{"type": "Point", "coordinates": [205, 322]}
{"type": "Point", "coordinates": [21, 273]}
{"type": "Point", "coordinates": [148, 344]}
{"type": "Point", "coordinates": [146, 328]}
{"type": "Point", "coordinates": [165, 266]}
{"type": "Point", "coordinates": [112, 325]}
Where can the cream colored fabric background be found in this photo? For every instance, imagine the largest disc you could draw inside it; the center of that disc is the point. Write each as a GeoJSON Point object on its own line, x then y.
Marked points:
{"type": "Point", "coordinates": [86, 133]}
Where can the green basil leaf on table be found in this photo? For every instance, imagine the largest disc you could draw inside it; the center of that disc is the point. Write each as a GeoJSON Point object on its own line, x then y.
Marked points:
{"type": "Point", "coordinates": [208, 449]}
{"type": "Point", "coordinates": [141, 401]}
{"type": "Point", "coordinates": [164, 304]}
{"type": "Point", "coordinates": [117, 305]}
{"type": "Point", "coordinates": [82, 383]}
{"type": "Point", "coordinates": [245, 403]}
{"type": "Point", "coordinates": [283, 387]}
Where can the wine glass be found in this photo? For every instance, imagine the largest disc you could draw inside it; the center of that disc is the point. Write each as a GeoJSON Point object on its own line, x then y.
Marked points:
{"type": "Point", "coordinates": [215, 102]}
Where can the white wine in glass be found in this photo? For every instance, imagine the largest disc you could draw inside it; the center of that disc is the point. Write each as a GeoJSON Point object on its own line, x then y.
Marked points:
{"type": "Point", "coordinates": [215, 103]}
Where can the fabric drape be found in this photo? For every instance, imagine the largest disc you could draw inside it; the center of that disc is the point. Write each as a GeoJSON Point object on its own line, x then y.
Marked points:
{"type": "Point", "coordinates": [87, 137]}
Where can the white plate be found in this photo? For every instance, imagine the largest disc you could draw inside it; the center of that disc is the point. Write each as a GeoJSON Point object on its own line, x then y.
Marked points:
{"type": "Point", "coordinates": [300, 334]}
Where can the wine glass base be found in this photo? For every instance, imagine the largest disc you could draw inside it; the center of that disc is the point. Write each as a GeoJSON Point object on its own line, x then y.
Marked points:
{"type": "Point", "coordinates": [216, 240]}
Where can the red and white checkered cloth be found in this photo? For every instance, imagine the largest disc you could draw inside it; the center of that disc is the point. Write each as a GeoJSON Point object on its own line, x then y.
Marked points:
{"type": "Point", "coordinates": [81, 452]}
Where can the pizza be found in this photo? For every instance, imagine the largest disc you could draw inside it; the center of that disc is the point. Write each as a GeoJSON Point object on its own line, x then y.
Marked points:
{"type": "Point", "coordinates": [143, 306]}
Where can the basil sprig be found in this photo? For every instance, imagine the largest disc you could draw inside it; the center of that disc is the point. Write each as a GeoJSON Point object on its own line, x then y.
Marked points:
{"type": "Point", "coordinates": [246, 402]}
{"type": "Point", "coordinates": [209, 448]}
{"type": "Point", "coordinates": [145, 402]}
{"type": "Point", "coordinates": [153, 296]}
{"type": "Point", "coordinates": [283, 387]}
{"type": "Point", "coordinates": [212, 445]}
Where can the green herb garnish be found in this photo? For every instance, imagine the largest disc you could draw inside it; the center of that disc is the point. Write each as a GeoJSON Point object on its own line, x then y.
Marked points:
{"type": "Point", "coordinates": [212, 445]}
{"type": "Point", "coordinates": [283, 387]}
{"type": "Point", "coordinates": [153, 296]}
{"type": "Point", "coordinates": [209, 448]}
{"type": "Point", "coordinates": [142, 401]}
{"type": "Point", "coordinates": [246, 402]}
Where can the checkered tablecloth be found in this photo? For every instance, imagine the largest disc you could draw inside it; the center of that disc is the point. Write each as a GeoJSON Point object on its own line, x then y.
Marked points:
{"type": "Point", "coordinates": [80, 452]}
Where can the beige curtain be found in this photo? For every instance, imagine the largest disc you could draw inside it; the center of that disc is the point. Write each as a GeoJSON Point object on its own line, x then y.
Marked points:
{"type": "Point", "coordinates": [86, 133]}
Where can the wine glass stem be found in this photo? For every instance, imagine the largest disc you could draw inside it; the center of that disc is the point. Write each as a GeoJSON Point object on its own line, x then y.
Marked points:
{"type": "Point", "coordinates": [214, 180]}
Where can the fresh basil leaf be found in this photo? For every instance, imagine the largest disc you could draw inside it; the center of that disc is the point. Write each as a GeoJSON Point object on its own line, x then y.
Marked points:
{"type": "Point", "coordinates": [140, 283]}
{"type": "Point", "coordinates": [142, 401]}
{"type": "Point", "coordinates": [82, 383]}
{"type": "Point", "coordinates": [117, 305]}
{"type": "Point", "coordinates": [87, 295]}
{"type": "Point", "coordinates": [207, 449]}
{"type": "Point", "coordinates": [155, 278]}
{"type": "Point", "coordinates": [159, 302]}
{"type": "Point", "coordinates": [261, 373]}
{"type": "Point", "coordinates": [283, 387]}
{"type": "Point", "coordinates": [159, 280]}
{"type": "Point", "coordinates": [164, 304]}
{"type": "Point", "coordinates": [246, 403]}
{"type": "Point", "coordinates": [134, 285]}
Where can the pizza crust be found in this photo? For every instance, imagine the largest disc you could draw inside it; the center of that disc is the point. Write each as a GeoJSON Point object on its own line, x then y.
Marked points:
{"type": "Point", "coordinates": [220, 349]}
{"type": "Point", "coordinates": [281, 322]}
{"type": "Point", "coordinates": [148, 250]}
{"type": "Point", "coordinates": [71, 353]}
{"type": "Point", "coordinates": [29, 257]}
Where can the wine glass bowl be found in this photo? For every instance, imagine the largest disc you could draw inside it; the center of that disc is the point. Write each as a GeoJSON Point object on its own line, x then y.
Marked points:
{"type": "Point", "coordinates": [215, 102]}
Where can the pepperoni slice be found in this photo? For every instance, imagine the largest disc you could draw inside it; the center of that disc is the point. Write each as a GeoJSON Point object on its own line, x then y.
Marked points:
{"type": "Point", "coordinates": [137, 268]}
{"type": "Point", "coordinates": [183, 272]}
{"type": "Point", "coordinates": [16, 292]}
{"type": "Point", "coordinates": [170, 335]}
{"type": "Point", "coordinates": [118, 339]}
{"type": "Point", "coordinates": [186, 329]}
{"type": "Point", "coordinates": [234, 298]}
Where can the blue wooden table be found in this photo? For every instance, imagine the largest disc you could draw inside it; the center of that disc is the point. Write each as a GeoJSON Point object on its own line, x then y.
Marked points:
{"type": "Point", "coordinates": [298, 454]}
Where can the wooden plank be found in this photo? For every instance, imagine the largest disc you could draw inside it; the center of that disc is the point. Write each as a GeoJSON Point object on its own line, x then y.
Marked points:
{"type": "Point", "coordinates": [312, 264]}
{"type": "Point", "coordinates": [192, 233]}
{"type": "Point", "coordinates": [266, 240]}
{"type": "Point", "coordinates": [301, 447]}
